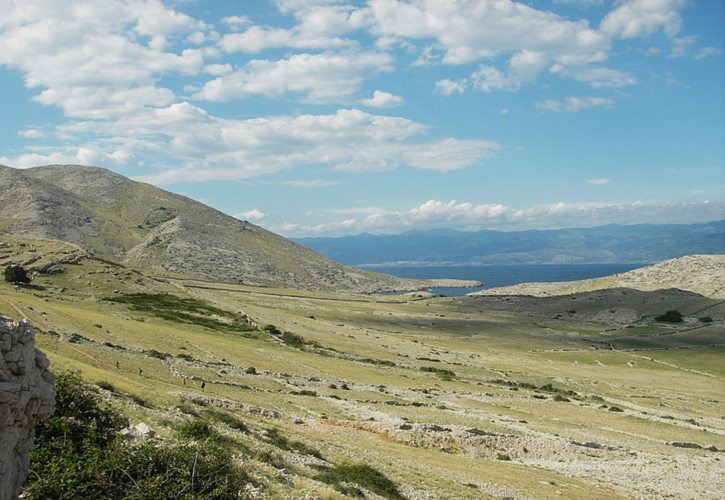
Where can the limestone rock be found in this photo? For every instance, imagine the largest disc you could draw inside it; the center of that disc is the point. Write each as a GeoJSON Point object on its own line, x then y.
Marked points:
{"type": "Point", "coordinates": [27, 396]}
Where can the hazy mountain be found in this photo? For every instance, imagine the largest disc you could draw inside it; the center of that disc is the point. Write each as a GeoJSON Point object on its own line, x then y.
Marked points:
{"type": "Point", "coordinates": [604, 244]}
{"type": "Point", "coordinates": [126, 221]}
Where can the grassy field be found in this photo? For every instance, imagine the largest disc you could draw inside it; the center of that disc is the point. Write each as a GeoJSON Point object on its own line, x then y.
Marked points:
{"type": "Point", "coordinates": [448, 398]}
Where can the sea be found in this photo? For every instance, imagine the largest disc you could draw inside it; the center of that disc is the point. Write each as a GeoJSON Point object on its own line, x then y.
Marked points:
{"type": "Point", "coordinates": [493, 276]}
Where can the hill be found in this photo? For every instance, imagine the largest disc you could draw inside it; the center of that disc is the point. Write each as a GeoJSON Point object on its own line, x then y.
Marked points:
{"type": "Point", "coordinates": [118, 219]}
{"type": "Point", "coordinates": [598, 245]}
{"type": "Point", "coordinates": [701, 274]}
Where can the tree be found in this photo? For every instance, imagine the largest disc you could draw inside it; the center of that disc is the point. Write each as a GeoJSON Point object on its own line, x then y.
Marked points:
{"type": "Point", "coordinates": [17, 274]}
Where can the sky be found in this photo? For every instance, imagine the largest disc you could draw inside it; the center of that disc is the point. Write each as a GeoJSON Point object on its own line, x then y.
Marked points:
{"type": "Point", "coordinates": [333, 117]}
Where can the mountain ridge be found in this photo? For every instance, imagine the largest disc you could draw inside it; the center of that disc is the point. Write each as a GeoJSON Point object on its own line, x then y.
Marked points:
{"type": "Point", "coordinates": [612, 243]}
{"type": "Point", "coordinates": [129, 222]}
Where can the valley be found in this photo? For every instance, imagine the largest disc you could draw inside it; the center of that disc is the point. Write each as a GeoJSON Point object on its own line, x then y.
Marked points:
{"type": "Point", "coordinates": [583, 395]}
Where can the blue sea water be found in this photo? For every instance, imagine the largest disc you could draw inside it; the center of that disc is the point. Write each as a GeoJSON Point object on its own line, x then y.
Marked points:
{"type": "Point", "coordinates": [493, 276]}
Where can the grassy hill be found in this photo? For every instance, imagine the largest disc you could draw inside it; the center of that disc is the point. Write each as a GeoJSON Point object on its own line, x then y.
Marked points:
{"type": "Point", "coordinates": [472, 397]}
{"type": "Point", "coordinates": [115, 218]}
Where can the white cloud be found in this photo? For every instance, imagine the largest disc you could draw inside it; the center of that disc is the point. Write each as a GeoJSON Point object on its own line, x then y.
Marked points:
{"type": "Point", "coordinates": [681, 46]}
{"type": "Point", "coordinates": [469, 216]}
{"type": "Point", "coordinates": [708, 51]}
{"type": "Point", "coordinates": [598, 77]}
{"type": "Point", "coordinates": [326, 77]}
{"type": "Point", "coordinates": [635, 18]}
{"type": "Point", "coordinates": [31, 133]}
{"type": "Point", "coordinates": [448, 87]}
{"type": "Point", "coordinates": [236, 21]}
{"type": "Point", "coordinates": [573, 104]}
{"type": "Point", "coordinates": [319, 26]}
{"type": "Point", "coordinates": [382, 99]}
{"type": "Point", "coordinates": [202, 147]}
{"type": "Point", "coordinates": [251, 215]}
{"type": "Point", "coordinates": [97, 59]}
{"type": "Point", "coordinates": [598, 182]}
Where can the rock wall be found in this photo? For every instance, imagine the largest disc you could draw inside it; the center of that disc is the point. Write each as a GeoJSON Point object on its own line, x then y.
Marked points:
{"type": "Point", "coordinates": [26, 397]}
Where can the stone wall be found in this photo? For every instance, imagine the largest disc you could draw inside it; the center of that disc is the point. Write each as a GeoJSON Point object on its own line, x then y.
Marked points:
{"type": "Point", "coordinates": [26, 396]}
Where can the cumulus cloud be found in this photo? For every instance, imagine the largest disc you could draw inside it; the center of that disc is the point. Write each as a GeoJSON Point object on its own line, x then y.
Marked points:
{"type": "Point", "coordinates": [203, 147]}
{"type": "Point", "coordinates": [97, 59]}
{"type": "Point", "coordinates": [448, 87]}
{"type": "Point", "coordinates": [251, 215]}
{"type": "Point", "coordinates": [382, 99]}
{"type": "Point", "coordinates": [326, 77]}
{"type": "Point", "coordinates": [470, 216]}
{"type": "Point", "coordinates": [634, 18]}
{"type": "Point", "coordinates": [573, 104]}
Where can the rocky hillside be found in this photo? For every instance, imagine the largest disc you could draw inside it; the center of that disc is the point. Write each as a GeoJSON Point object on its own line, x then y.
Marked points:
{"type": "Point", "coordinates": [702, 274]}
{"type": "Point", "coordinates": [115, 218]}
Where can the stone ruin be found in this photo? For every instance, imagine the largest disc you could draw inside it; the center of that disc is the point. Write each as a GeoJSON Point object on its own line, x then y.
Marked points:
{"type": "Point", "coordinates": [27, 396]}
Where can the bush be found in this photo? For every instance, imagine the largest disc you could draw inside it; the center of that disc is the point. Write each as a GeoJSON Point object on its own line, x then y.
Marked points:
{"type": "Point", "coordinates": [362, 475]}
{"type": "Point", "coordinates": [17, 274]}
{"type": "Point", "coordinates": [198, 430]}
{"type": "Point", "coordinates": [276, 439]}
{"type": "Point", "coordinates": [292, 339]}
{"type": "Point", "coordinates": [670, 317]}
{"type": "Point", "coordinates": [79, 454]}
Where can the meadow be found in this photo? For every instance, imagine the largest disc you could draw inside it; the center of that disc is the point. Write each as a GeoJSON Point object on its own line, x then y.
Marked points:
{"type": "Point", "coordinates": [465, 397]}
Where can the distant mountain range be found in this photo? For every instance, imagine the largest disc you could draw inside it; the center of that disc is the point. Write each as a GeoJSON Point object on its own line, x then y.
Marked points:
{"type": "Point", "coordinates": [643, 243]}
{"type": "Point", "coordinates": [118, 219]}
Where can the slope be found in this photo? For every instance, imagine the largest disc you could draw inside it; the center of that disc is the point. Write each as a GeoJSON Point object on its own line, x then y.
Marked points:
{"type": "Point", "coordinates": [126, 221]}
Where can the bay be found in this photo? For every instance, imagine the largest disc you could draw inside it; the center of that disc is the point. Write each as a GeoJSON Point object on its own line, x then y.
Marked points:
{"type": "Point", "coordinates": [493, 276]}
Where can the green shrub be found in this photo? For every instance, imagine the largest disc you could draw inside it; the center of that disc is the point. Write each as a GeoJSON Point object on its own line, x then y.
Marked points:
{"type": "Point", "coordinates": [670, 317]}
{"type": "Point", "coordinates": [276, 439]}
{"type": "Point", "coordinates": [17, 274]}
{"type": "Point", "coordinates": [558, 397]}
{"type": "Point", "coordinates": [504, 457]}
{"type": "Point", "coordinates": [197, 429]}
{"type": "Point", "coordinates": [615, 408]}
{"type": "Point", "coordinates": [292, 339]}
{"type": "Point", "coordinates": [251, 370]}
{"type": "Point", "coordinates": [271, 329]}
{"type": "Point", "coordinates": [79, 454]}
{"type": "Point", "coordinates": [362, 475]}
{"type": "Point", "coordinates": [106, 385]}
{"type": "Point", "coordinates": [230, 420]}
{"type": "Point", "coordinates": [441, 372]}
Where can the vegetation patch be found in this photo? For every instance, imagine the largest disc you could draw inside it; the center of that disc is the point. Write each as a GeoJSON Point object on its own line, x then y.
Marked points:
{"type": "Point", "coordinates": [78, 453]}
{"type": "Point", "coordinates": [670, 317]}
{"type": "Point", "coordinates": [341, 477]}
{"type": "Point", "coordinates": [441, 372]}
{"type": "Point", "coordinates": [276, 439]}
{"type": "Point", "coordinates": [543, 388]}
{"type": "Point", "coordinates": [183, 310]}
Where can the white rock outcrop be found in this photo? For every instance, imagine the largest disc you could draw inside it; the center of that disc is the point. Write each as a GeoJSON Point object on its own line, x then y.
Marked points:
{"type": "Point", "coordinates": [27, 396]}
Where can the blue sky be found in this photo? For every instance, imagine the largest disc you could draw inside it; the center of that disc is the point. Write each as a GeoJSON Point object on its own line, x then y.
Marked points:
{"type": "Point", "coordinates": [327, 117]}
